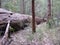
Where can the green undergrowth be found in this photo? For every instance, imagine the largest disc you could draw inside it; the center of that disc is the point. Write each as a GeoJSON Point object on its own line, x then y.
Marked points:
{"type": "Point", "coordinates": [52, 33]}
{"type": "Point", "coordinates": [41, 30]}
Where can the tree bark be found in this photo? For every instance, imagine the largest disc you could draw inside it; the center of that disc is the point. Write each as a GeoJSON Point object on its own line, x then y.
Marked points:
{"type": "Point", "coordinates": [33, 17]}
{"type": "Point", "coordinates": [18, 21]}
{"type": "Point", "coordinates": [0, 3]}
{"type": "Point", "coordinates": [22, 11]}
{"type": "Point", "coordinates": [49, 9]}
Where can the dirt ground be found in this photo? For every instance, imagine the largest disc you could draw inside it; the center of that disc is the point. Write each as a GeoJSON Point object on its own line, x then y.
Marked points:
{"type": "Point", "coordinates": [43, 36]}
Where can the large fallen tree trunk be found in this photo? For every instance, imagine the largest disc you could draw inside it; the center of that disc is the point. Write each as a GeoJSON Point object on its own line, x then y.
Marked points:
{"type": "Point", "coordinates": [19, 17]}
{"type": "Point", "coordinates": [18, 20]}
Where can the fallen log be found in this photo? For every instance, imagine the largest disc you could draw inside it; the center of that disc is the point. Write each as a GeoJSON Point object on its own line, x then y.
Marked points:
{"type": "Point", "coordinates": [4, 11]}
{"type": "Point", "coordinates": [19, 21]}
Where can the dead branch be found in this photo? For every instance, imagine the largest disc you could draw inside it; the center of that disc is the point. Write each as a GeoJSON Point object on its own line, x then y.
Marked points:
{"type": "Point", "coordinates": [5, 37]}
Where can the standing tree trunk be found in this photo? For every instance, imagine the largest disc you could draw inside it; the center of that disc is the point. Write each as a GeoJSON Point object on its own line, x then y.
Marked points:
{"type": "Point", "coordinates": [33, 16]}
{"type": "Point", "coordinates": [49, 21]}
{"type": "Point", "coordinates": [22, 11]}
{"type": "Point", "coordinates": [49, 9]}
{"type": "Point", "coordinates": [0, 3]}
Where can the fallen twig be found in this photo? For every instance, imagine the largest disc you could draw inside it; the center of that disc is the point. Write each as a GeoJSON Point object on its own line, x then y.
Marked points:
{"type": "Point", "coordinates": [5, 37]}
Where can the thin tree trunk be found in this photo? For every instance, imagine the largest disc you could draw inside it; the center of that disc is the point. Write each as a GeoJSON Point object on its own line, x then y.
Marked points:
{"type": "Point", "coordinates": [49, 9]}
{"type": "Point", "coordinates": [49, 18]}
{"type": "Point", "coordinates": [0, 3]}
{"type": "Point", "coordinates": [33, 16]}
{"type": "Point", "coordinates": [22, 7]}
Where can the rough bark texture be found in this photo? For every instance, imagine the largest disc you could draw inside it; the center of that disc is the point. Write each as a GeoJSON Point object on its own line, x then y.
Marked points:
{"type": "Point", "coordinates": [33, 16]}
{"type": "Point", "coordinates": [18, 20]}
{"type": "Point", "coordinates": [49, 9]}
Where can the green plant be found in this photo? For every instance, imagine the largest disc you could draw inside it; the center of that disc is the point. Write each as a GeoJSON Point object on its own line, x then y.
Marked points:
{"type": "Point", "coordinates": [10, 6]}
{"type": "Point", "coordinates": [12, 29]}
{"type": "Point", "coordinates": [51, 23]}
{"type": "Point", "coordinates": [31, 36]}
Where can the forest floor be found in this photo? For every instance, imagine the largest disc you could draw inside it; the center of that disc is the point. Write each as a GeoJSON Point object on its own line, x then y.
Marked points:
{"type": "Point", "coordinates": [43, 36]}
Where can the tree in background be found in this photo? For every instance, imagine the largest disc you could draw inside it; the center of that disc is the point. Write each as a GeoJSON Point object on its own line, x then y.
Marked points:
{"type": "Point", "coordinates": [22, 6]}
{"type": "Point", "coordinates": [49, 14]}
{"type": "Point", "coordinates": [0, 3]}
{"type": "Point", "coordinates": [50, 20]}
{"type": "Point", "coordinates": [12, 5]}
